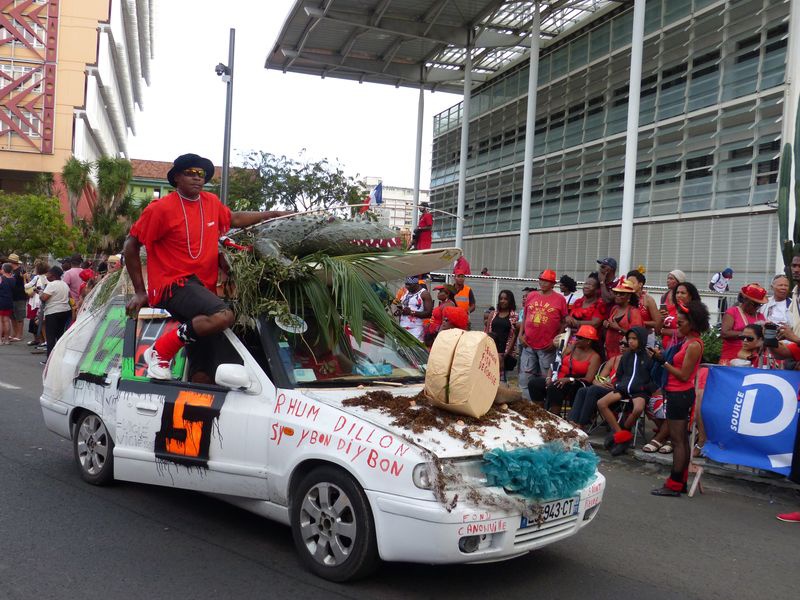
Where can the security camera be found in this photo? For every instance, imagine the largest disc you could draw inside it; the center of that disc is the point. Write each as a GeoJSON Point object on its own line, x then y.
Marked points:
{"type": "Point", "coordinates": [221, 69]}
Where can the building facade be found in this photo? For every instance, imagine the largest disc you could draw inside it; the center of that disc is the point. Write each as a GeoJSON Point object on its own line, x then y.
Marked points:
{"type": "Point", "coordinates": [72, 73]}
{"type": "Point", "coordinates": [712, 112]}
{"type": "Point", "coordinates": [398, 203]}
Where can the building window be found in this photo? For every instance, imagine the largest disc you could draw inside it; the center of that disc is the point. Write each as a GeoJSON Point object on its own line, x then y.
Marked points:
{"type": "Point", "coordinates": [14, 71]}
{"type": "Point", "coordinates": [35, 38]}
{"type": "Point", "coordinates": [29, 124]}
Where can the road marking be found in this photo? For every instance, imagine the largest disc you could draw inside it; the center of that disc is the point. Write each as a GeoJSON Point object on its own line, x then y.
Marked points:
{"type": "Point", "coordinates": [8, 386]}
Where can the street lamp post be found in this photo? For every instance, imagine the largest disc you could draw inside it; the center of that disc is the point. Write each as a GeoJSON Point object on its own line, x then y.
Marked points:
{"type": "Point", "coordinates": [226, 72]}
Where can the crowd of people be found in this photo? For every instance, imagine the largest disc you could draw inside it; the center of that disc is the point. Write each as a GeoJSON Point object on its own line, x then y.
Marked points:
{"type": "Point", "coordinates": [48, 296]}
{"type": "Point", "coordinates": [614, 352]}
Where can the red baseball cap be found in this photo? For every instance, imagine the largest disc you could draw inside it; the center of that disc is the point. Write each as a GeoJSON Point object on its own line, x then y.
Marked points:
{"type": "Point", "coordinates": [548, 275]}
{"type": "Point", "coordinates": [588, 332]}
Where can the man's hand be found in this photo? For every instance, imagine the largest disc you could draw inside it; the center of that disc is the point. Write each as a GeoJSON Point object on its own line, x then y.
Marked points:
{"type": "Point", "coordinates": [787, 333]}
{"type": "Point", "coordinates": [138, 301]}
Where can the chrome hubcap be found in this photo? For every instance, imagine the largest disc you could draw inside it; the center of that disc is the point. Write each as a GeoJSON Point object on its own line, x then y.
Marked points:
{"type": "Point", "coordinates": [93, 441]}
{"type": "Point", "coordinates": [327, 524]}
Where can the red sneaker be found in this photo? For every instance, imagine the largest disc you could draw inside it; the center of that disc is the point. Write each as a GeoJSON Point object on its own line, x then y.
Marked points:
{"type": "Point", "coordinates": [792, 517]}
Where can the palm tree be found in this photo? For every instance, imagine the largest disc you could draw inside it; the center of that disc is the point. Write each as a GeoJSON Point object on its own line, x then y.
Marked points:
{"type": "Point", "coordinates": [114, 209]}
{"type": "Point", "coordinates": [75, 174]}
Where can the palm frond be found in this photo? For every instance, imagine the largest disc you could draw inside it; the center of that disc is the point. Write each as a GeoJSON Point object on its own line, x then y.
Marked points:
{"type": "Point", "coordinates": [332, 288]}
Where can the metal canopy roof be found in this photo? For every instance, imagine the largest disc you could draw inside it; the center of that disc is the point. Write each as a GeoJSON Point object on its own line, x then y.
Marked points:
{"type": "Point", "coordinates": [413, 42]}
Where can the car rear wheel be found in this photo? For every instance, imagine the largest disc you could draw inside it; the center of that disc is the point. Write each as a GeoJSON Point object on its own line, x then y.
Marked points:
{"type": "Point", "coordinates": [332, 525]}
{"type": "Point", "coordinates": [94, 450]}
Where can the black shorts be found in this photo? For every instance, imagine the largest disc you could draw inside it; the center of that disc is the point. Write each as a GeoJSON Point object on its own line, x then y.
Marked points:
{"type": "Point", "coordinates": [185, 302]}
{"type": "Point", "coordinates": [679, 404]}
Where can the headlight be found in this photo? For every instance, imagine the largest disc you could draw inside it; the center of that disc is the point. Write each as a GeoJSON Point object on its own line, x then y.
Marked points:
{"type": "Point", "coordinates": [454, 474]}
{"type": "Point", "coordinates": [422, 476]}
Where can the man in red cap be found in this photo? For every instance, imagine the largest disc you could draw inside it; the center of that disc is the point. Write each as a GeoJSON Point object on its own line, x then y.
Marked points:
{"type": "Point", "coordinates": [181, 233]}
{"type": "Point", "coordinates": [545, 311]}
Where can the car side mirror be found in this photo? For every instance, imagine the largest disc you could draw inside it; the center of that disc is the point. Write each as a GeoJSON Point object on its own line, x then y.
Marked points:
{"type": "Point", "coordinates": [235, 377]}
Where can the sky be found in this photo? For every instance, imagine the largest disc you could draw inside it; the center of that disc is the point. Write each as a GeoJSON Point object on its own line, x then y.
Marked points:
{"type": "Point", "coordinates": [369, 128]}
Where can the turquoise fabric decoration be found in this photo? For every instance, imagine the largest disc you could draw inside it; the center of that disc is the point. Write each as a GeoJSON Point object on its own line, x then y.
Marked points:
{"type": "Point", "coordinates": [548, 472]}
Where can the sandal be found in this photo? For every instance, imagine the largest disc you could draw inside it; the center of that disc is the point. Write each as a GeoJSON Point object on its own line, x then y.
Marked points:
{"type": "Point", "coordinates": [697, 451]}
{"type": "Point", "coordinates": [665, 491]}
{"type": "Point", "coordinates": [652, 446]}
{"type": "Point", "coordinates": [666, 448]}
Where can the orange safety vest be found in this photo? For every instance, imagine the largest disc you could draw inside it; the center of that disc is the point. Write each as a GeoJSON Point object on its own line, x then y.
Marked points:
{"type": "Point", "coordinates": [462, 298]}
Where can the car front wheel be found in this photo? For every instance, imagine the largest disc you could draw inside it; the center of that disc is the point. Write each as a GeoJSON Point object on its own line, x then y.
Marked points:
{"type": "Point", "coordinates": [332, 525]}
{"type": "Point", "coordinates": [94, 450]}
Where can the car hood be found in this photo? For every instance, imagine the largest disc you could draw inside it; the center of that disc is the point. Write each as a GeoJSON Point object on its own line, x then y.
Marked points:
{"type": "Point", "coordinates": [509, 431]}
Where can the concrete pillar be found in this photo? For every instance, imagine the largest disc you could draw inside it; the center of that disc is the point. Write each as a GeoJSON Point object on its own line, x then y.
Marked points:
{"type": "Point", "coordinates": [631, 139]}
{"type": "Point", "coordinates": [530, 126]}
{"type": "Point", "coordinates": [418, 156]}
{"type": "Point", "coordinates": [462, 164]}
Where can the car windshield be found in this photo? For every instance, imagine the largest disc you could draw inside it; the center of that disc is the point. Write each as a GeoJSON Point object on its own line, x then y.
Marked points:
{"type": "Point", "coordinates": [309, 361]}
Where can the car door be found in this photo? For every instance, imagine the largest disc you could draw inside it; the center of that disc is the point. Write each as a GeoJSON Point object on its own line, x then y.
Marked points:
{"type": "Point", "coordinates": [187, 435]}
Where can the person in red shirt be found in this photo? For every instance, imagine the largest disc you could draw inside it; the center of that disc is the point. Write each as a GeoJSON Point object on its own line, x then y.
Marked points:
{"type": "Point", "coordinates": [424, 231]}
{"type": "Point", "coordinates": [623, 316]}
{"type": "Point", "coordinates": [180, 232]}
{"type": "Point", "coordinates": [545, 312]}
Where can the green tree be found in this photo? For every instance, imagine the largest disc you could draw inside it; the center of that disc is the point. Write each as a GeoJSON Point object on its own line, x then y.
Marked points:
{"type": "Point", "coordinates": [42, 185]}
{"type": "Point", "coordinates": [34, 225]}
{"type": "Point", "coordinates": [264, 181]}
{"type": "Point", "coordinates": [75, 175]}
{"type": "Point", "coordinates": [114, 210]}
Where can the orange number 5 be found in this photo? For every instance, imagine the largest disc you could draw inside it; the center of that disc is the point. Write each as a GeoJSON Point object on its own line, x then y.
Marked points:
{"type": "Point", "coordinates": [190, 446]}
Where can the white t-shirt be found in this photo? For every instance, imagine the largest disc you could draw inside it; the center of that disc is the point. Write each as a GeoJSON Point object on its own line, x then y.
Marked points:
{"type": "Point", "coordinates": [59, 297]}
{"type": "Point", "coordinates": [414, 325]}
{"type": "Point", "coordinates": [719, 283]}
{"type": "Point", "coordinates": [777, 312]}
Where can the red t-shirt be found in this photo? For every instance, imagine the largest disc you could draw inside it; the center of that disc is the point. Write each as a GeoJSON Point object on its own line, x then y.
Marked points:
{"type": "Point", "coordinates": [425, 237]}
{"type": "Point", "coordinates": [543, 316]}
{"type": "Point", "coordinates": [171, 255]}
{"type": "Point", "coordinates": [597, 309]}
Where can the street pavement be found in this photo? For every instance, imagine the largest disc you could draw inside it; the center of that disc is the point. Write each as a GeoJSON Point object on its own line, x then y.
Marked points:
{"type": "Point", "coordinates": [62, 538]}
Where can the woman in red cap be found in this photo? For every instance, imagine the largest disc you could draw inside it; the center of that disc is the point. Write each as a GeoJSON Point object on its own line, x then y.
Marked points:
{"type": "Point", "coordinates": [736, 318]}
{"type": "Point", "coordinates": [579, 366]}
{"type": "Point", "coordinates": [454, 318]}
{"type": "Point", "coordinates": [624, 316]}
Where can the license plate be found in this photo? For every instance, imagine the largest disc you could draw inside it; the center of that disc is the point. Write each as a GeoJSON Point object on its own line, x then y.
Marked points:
{"type": "Point", "coordinates": [557, 509]}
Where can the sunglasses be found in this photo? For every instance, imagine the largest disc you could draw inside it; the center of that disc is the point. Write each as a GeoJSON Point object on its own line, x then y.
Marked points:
{"type": "Point", "coordinates": [747, 338]}
{"type": "Point", "coordinates": [195, 173]}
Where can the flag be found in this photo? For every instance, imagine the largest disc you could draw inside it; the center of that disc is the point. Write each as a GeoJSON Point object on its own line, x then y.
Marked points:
{"type": "Point", "coordinates": [750, 417]}
{"type": "Point", "coordinates": [376, 195]}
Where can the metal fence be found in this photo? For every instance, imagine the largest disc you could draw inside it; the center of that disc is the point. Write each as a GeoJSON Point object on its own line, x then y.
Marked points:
{"type": "Point", "coordinates": [487, 288]}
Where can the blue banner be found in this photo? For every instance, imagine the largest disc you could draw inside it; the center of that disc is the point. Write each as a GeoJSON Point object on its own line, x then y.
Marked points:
{"type": "Point", "coordinates": [750, 417]}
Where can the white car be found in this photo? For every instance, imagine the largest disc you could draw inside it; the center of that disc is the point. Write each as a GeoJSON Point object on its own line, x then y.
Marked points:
{"type": "Point", "coordinates": [272, 435]}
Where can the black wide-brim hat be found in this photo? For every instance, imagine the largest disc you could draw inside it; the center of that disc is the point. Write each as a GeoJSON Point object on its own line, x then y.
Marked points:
{"type": "Point", "coordinates": [188, 161]}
